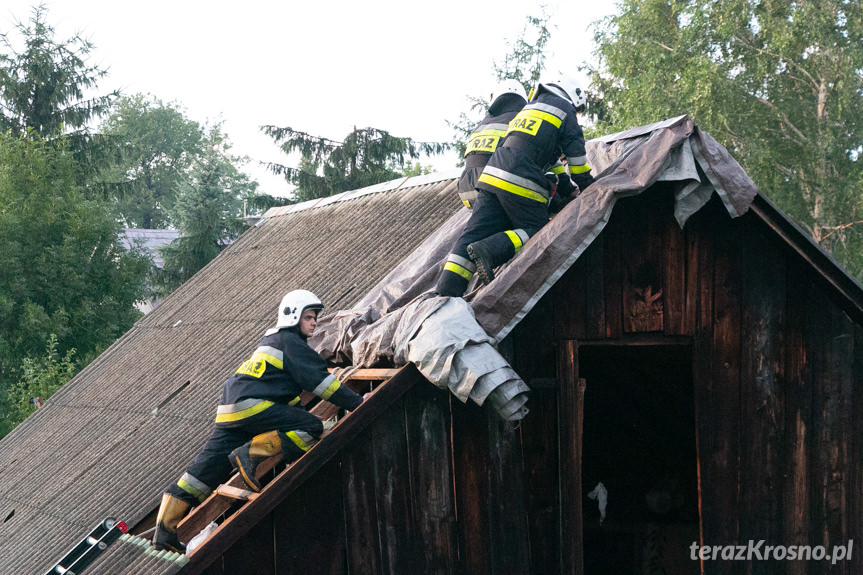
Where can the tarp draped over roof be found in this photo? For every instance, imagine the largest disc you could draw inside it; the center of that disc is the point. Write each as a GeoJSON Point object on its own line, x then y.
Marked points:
{"type": "Point", "coordinates": [437, 334]}
{"type": "Point", "coordinates": [628, 163]}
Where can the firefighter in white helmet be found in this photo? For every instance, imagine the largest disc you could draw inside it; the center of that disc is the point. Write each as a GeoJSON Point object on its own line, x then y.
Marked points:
{"type": "Point", "coordinates": [259, 414]}
{"type": "Point", "coordinates": [513, 190]}
{"type": "Point", "coordinates": [507, 100]}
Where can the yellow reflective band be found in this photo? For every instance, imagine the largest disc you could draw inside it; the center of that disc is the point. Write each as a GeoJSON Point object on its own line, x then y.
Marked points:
{"type": "Point", "coordinates": [327, 387]}
{"type": "Point", "coordinates": [334, 386]}
{"type": "Point", "coordinates": [294, 401]}
{"type": "Point", "coordinates": [468, 197]}
{"type": "Point", "coordinates": [248, 412]}
{"type": "Point", "coordinates": [292, 435]}
{"type": "Point", "coordinates": [191, 490]}
{"type": "Point", "coordinates": [579, 169]}
{"type": "Point", "coordinates": [510, 187]}
{"type": "Point", "coordinates": [550, 118]}
{"type": "Point", "coordinates": [516, 241]}
{"type": "Point", "coordinates": [559, 169]}
{"type": "Point", "coordinates": [457, 269]}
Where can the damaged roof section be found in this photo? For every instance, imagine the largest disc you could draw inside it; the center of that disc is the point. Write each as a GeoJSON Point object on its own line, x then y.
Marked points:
{"type": "Point", "coordinates": [116, 435]}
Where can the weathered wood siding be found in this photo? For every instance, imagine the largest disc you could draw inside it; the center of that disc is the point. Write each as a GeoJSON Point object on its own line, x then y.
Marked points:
{"type": "Point", "coordinates": [776, 367]}
{"type": "Point", "coordinates": [435, 486]}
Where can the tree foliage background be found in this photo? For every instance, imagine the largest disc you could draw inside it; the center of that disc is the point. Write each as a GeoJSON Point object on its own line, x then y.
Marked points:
{"type": "Point", "coordinates": [66, 274]}
{"type": "Point", "coordinates": [158, 146]}
{"type": "Point", "coordinates": [44, 80]}
{"type": "Point", "coordinates": [207, 211]}
{"type": "Point", "coordinates": [524, 62]}
{"type": "Point", "coordinates": [779, 83]}
{"type": "Point", "coordinates": [366, 156]}
{"type": "Point", "coordinates": [49, 87]}
{"type": "Point", "coordinates": [67, 186]}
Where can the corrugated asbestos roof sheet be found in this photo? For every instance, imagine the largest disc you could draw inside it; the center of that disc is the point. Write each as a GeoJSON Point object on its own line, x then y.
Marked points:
{"type": "Point", "coordinates": [132, 554]}
{"type": "Point", "coordinates": [114, 437]}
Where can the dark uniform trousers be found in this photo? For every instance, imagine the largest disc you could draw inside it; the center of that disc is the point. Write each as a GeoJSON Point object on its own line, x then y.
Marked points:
{"type": "Point", "coordinates": [503, 222]}
{"type": "Point", "coordinates": [211, 466]}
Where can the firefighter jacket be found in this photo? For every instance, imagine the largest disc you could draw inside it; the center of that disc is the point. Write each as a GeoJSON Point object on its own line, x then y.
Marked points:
{"type": "Point", "coordinates": [280, 368]}
{"type": "Point", "coordinates": [483, 141]}
{"type": "Point", "coordinates": [543, 130]}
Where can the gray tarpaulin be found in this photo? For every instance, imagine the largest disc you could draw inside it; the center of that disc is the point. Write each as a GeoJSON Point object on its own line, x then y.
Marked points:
{"type": "Point", "coordinates": [437, 334]}
{"type": "Point", "coordinates": [627, 163]}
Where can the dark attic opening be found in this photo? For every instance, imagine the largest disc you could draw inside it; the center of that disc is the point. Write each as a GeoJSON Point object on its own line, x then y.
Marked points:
{"type": "Point", "coordinates": [639, 443]}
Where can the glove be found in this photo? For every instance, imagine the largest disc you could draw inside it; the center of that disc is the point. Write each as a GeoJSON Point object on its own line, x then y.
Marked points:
{"type": "Point", "coordinates": [583, 180]}
{"type": "Point", "coordinates": [566, 192]}
{"type": "Point", "coordinates": [565, 188]}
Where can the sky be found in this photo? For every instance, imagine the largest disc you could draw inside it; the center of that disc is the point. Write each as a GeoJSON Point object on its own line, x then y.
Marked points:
{"type": "Point", "coordinates": [318, 67]}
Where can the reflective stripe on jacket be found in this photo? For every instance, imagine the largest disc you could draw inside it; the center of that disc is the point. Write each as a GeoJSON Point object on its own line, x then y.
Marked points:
{"type": "Point", "coordinates": [282, 366]}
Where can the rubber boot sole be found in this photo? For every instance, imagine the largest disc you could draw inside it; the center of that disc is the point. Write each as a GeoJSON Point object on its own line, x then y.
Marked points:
{"type": "Point", "coordinates": [166, 540]}
{"type": "Point", "coordinates": [245, 472]}
{"type": "Point", "coordinates": [483, 263]}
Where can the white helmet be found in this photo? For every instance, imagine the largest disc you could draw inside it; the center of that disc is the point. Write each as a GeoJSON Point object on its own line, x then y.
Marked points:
{"type": "Point", "coordinates": [508, 86]}
{"type": "Point", "coordinates": [294, 304]}
{"type": "Point", "coordinates": [567, 86]}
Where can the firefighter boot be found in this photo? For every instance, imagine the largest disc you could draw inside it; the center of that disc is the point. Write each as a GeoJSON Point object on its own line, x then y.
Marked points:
{"type": "Point", "coordinates": [481, 256]}
{"type": "Point", "coordinates": [171, 512]}
{"type": "Point", "coordinates": [246, 458]}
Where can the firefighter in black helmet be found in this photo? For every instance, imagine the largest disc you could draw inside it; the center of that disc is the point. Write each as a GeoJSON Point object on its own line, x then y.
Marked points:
{"type": "Point", "coordinates": [513, 190]}
{"type": "Point", "coordinates": [259, 415]}
{"type": "Point", "coordinates": [507, 100]}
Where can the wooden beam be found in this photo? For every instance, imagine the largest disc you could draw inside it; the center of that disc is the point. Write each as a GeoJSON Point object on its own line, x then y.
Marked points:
{"type": "Point", "coordinates": [571, 414]}
{"type": "Point", "coordinates": [370, 374]}
{"type": "Point", "coordinates": [427, 410]}
{"type": "Point", "coordinates": [639, 339]}
{"type": "Point", "coordinates": [236, 492]}
{"type": "Point", "coordinates": [286, 482]}
{"type": "Point", "coordinates": [217, 503]}
{"type": "Point", "coordinates": [762, 390]}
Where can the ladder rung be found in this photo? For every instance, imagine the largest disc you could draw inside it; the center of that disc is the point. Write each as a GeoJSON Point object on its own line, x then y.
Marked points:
{"type": "Point", "coordinates": [236, 492]}
{"type": "Point", "coordinates": [216, 503]}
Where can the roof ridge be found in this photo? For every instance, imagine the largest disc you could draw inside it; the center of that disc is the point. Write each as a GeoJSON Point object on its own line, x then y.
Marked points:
{"type": "Point", "coordinates": [398, 183]}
